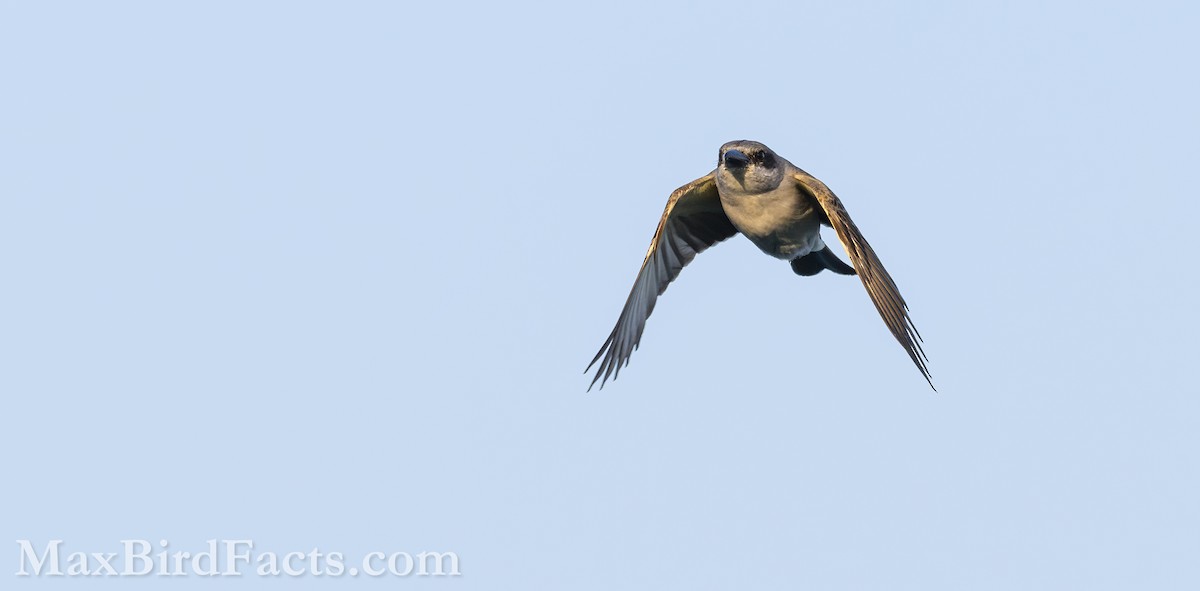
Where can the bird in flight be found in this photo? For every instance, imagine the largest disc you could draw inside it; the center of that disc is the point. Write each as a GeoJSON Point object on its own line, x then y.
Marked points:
{"type": "Point", "coordinates": [780, 208]}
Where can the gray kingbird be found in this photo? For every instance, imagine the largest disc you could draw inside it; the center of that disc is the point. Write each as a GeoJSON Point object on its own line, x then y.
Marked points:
{"type": "Point", "coordinates": [780, 208]}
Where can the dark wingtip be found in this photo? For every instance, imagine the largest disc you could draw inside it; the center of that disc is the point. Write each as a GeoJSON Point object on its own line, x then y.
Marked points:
{"type": "Point", "coordinates": [595, 379]}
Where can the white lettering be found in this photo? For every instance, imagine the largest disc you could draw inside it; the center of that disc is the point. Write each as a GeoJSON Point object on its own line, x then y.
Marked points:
{"type": "Point", "coordinates": [36, 562]}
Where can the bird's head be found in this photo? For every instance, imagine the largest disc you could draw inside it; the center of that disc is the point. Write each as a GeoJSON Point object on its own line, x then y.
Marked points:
{"type": "Point", "coordinates": [748, 166]}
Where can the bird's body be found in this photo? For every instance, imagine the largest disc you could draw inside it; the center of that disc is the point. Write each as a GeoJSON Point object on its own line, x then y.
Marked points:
{"type": "Point", "coordinates": [781, 222]}
{"type": "Point", "coordinates": [780, 208]}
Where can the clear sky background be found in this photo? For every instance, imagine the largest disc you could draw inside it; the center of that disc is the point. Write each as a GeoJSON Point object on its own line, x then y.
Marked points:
{"type": "Point", "coordinates": [327, 275]}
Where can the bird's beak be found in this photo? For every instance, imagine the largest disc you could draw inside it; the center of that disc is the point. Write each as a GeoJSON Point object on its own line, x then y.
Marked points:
{"type": "Point", "coordinates": [736, 159]}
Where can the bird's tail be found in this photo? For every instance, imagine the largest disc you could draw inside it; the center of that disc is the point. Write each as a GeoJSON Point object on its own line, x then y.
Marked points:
{"type": "Point", "coordinates": [819, 260]}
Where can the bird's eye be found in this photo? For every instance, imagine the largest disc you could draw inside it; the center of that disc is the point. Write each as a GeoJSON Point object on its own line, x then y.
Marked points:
{"type": "Point", "coordinates": [757, 157]}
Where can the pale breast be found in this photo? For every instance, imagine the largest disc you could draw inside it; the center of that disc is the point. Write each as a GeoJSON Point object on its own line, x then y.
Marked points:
{"type": "Point", "coordinates": [781, 223]}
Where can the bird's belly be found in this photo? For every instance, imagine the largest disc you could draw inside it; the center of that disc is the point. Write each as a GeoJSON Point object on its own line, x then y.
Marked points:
{"type": "Point", "coordinates": [783, 226]}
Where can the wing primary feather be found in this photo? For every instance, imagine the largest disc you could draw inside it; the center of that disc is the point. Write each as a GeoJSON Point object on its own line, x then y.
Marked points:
{"type": "Point", "coordinates": [692, 221]}
{"type": "Point", "coordinates": [879, 284]}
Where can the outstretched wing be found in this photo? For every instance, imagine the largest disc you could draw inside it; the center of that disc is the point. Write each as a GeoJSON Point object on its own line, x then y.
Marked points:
{"type": "Point", "coordinates": [693, 221]}
{"type": "Point", "coordinates": [875, 278]}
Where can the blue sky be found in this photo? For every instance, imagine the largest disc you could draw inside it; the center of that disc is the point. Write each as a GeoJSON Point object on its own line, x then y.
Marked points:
{"type": "Point", "coordinates": [327, 276]}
